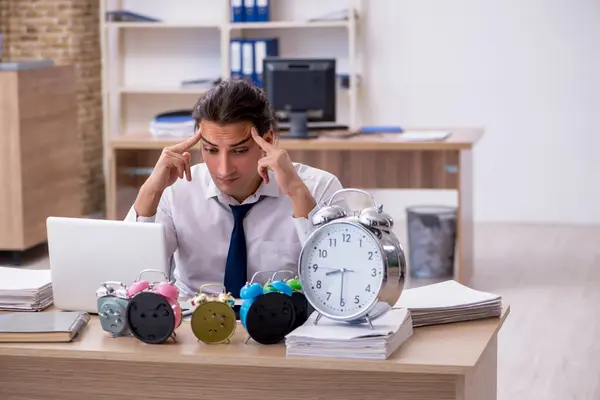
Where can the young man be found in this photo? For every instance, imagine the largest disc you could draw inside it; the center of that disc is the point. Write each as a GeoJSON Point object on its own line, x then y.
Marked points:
{"type": "Point", "coordinates": [245, 208]}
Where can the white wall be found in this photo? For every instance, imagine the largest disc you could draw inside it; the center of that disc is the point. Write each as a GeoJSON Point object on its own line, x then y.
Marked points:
{"type": "Point", "coordinates": [525, 70]}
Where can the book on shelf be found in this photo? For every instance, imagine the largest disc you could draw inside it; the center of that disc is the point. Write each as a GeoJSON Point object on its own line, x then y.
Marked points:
{"type": "Point", "coordinates": [177, 123]}
{"type": "Point", "coordinates": [331, 338]}
{"type": "Point", "coordinates": [250, 10]}
{"type": "Point", "coordinates": [128, 16]}
{"type": "Point", "coordinates": [448, 302]}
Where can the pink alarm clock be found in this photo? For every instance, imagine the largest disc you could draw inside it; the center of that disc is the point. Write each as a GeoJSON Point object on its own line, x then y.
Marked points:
{"type": "Point", "coordinates": [153, 312]}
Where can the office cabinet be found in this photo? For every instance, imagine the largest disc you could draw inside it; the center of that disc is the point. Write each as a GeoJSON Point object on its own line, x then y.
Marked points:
{"type": "Point", "coordinates": [40, 154]}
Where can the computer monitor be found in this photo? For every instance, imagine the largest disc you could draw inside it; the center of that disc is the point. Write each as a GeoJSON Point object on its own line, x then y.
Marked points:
{"type": "Point", "coordinates": [301, 90]}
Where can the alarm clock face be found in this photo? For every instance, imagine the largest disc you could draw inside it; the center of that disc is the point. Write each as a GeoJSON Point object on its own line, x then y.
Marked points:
{"type": "Point", "coordinates": [213, 322]}
{"type": "Point", "coordinates": [151, 317]}
{"type": "Point", "coordinates": [341, 270]}
{"type": "Point", "coordinates": [270, 317]}
{"type": "Point", "coordinates": [111, 312]}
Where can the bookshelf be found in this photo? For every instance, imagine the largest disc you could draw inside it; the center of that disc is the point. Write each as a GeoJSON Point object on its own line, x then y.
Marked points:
{"type": "Point", "coordinates": [144, 63]}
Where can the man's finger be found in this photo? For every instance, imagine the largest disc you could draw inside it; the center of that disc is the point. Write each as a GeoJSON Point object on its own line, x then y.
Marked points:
{"type": "Point", "coordinates": [184, 146]}
{"type": "Point", "coordinates": [263, 169]}
{"type": "Point", "coordinates": [264, 173]}
{"type": "Point", "coordinates": [188, 169]}
{"type": "Point", "coordinates": [266, 146]}
{"type": "Point", "coordinates": [179, 162]}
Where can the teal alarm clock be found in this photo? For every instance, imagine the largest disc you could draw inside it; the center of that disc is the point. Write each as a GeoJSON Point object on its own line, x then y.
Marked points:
{"type": "Point", "coordinates": [267, 312]}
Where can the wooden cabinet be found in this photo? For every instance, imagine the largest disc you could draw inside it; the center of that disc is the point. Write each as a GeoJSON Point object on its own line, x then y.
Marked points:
{"type": "Point", "coordinates": [40, 153]}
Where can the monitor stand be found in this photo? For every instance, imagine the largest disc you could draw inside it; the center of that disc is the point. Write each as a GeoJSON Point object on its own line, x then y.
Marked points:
{"type": "Point", "coordinates": [299, 127]}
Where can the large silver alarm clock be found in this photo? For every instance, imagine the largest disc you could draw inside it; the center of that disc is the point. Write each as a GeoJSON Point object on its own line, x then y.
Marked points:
{"type": "Point", "coordinates": [352, 266]}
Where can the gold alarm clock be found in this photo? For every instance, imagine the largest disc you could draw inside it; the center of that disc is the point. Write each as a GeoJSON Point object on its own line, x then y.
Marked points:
{"type": "Point", "coordinates": [213, 321]}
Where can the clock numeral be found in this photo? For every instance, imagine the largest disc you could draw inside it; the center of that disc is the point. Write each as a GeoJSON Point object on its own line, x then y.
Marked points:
{"type": "Point", "coordinates": [368, 289]}
{"type": "Point", "coordinates": [322, 253]}
{"type": "Point", "coordinates": [328, 295]}
{"type": "Point", "coordinates": [359, 242]}
{"type": "Point", "coordinates": [332, 242]}
{"type": "Point", "coordinates": [342, 303]}
{"type": "Point", "coordinates": [318, 284]}
{"type": "Point", "coordinates": [374, 272]}
{"type": "Point", "coordinates": [346, 237]}
{"type": "Point", "coordinates": [371, 256]}
{"type": "Point", "coordinates": [315, 267]}
{"type": "Point", "coordinates": [356, 299]}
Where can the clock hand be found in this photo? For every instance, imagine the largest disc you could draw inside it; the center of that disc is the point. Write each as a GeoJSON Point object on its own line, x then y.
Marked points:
{"type": "Point", "coordinates": [337, 271]}
{"type": "Point", "coordinates": [342, 289]}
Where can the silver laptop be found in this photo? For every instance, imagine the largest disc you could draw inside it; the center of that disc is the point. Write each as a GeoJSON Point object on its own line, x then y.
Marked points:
{"type": "Point", "coordinates": [84, 253]}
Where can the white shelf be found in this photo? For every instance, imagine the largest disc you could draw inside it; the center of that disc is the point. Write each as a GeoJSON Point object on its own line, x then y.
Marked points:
{"type": "Point", "coordinates": [289, 24]}
{"type": "Point", "coordinates": [143, 63]}
{"type": "Point", "coordinates": [162, 25]}
{"type": "Point", "coordinates": [230, 26]}
{"type": "Point", "coordinates": [161, 90]}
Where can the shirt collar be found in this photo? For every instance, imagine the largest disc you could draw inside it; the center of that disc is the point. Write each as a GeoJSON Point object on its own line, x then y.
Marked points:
{"type": "Point", "coordinates": [270, 189]}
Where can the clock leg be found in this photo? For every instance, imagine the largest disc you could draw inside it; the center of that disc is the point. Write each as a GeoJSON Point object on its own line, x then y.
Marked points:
{"type": "Point", "coordinates": [247, 339]}
{"type": "Point", "coordinates": [318, 318]}
{"type": "Point", "coordinates": [369, 321]}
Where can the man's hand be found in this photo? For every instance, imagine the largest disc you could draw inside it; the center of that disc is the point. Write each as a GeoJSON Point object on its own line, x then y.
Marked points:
{"type": "Point", "coordinates": [173, 164]}
{"type": "Point", "coordinates": [278, 161]}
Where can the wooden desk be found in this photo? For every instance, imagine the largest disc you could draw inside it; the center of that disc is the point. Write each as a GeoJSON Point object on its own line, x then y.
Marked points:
{"type": "Point", "coordinates": [454, 361]}
{"type": "Point", "coordinates": [366, 161]}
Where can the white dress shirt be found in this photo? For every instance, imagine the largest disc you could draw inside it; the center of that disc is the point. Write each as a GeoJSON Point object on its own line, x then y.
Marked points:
{"type": "Point", "coordinates": [198, 224]}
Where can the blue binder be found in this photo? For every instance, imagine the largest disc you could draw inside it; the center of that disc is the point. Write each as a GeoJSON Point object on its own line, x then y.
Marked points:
{"type": "Point", "coordinates": [249, 8]}
{"type": "Point", "coordinates": [237, 10]}
{"type": "Point", "coordinates": [248, 59]}
{"type": "Point", "coordinates": [235, 58]}
{"type": "Point", "coordinates": [267, 47]}
{"type": "Point", "coordinates": [262, 10]}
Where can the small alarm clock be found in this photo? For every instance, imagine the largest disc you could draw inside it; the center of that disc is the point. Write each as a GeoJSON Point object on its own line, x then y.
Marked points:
{"type": "Point", "coordinates": [352, 267]}
{"type": "Point", "coordinates": [267, 312]}
{"type": "Point", "coordinates": [112, 300]}
{"type": "Point", "coordinates": [302, 308]}
{"type": "Point", "coordinates": [153, 312]}
{"type": "Point", "coordinates": [213, 321]}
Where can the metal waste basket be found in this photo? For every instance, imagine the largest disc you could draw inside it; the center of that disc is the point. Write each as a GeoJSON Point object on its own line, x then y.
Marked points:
{"type": "Point", "coordinates": [431, 241]}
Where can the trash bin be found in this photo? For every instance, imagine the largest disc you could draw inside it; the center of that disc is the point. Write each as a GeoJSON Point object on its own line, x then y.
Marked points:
{"type": "Point", "coordinates": [431, 241]}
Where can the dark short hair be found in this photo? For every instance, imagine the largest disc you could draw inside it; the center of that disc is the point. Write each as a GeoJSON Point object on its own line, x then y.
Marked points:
{"type": "Point", "coordinates": [233, 101]}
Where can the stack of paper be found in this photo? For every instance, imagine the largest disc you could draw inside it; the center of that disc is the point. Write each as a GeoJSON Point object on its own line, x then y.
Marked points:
{"type": "Point", "coordinates": [174, 123]}
{"type": "Point", "coordinates": [447, 302]}
{"type": "Point", "coordinates": [340, 339]}
{"type": "Point", "coordinates": [25, 289]}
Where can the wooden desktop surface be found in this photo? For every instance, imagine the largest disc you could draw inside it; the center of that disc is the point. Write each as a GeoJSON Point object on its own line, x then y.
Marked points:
{"type": "Point", "coordinates": [444, 362]}
{"type": "Point", "coordinates": [439, 349]}
{"type": "Point", "coordinates": [460, 139]}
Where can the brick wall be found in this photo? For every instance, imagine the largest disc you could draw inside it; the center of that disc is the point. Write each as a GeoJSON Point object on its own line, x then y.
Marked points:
{"type": "Point", "coordinates": [66, 31]}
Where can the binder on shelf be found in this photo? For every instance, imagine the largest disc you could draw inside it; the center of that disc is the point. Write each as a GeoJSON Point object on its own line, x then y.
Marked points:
{"type": "Point", "coordinates": [268, 47]}
{"type": "Point", "coordinates": [249, 14]}
{"type": "Point", "coordinates": [235, 58]}
{"type": "Point", "coordinates": [261, 13]}
{"type": "Point", "coordinates": [128, 16]}
{"type": "Point", "coordinates": [237, 10]}
{"type": "Point", "coordinates": [248, 59]}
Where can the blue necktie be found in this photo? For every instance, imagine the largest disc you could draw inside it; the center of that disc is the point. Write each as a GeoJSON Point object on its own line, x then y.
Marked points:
{"type": "Point", "coordinates": [235, 267]}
